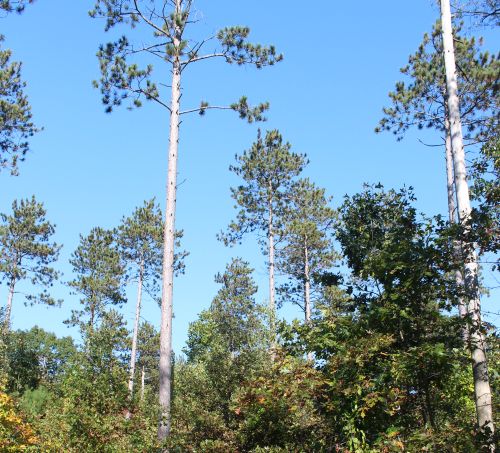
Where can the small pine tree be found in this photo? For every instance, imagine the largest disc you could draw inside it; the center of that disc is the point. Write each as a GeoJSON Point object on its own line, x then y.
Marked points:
{"type": "Point", "coordinates": [99, 277]}
{"type": "Point", "coordinates": [27, 252]}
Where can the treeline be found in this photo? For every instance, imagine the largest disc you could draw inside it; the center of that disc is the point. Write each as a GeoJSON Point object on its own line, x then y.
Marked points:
{"type": "Point", "coordinates": [391, 353]}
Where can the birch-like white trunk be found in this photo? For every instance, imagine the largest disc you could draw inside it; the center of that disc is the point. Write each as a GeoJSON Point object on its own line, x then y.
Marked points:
{"type": "Point", "coordinates": [133, 355]}
{"type": "Point", "coordinates": [452, 214]}
{"type": "Point", "coordinates": [482, 388]}
{"type": "Point", "coordinates": [8, 308]}
{"type": "Point", "coordinates": [168, 250]}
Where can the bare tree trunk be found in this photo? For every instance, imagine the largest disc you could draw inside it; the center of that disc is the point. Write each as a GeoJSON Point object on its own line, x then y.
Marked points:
{"type": "Point", "coordinates": [168, 248]}
{"type": "Point", "coordinates": [272, 291]}
{"type": "Point", "coordinates": [143, 379]}
{"type": "Point", "coordinates": [307, 292]}
{"type": "Point", "coordinates": [452, 214]}
{"type": "Point", "coordinates": [133, 355]}
{"type": "Point", "coordinates": [8, 308]}
{"type": "Point", "coordinates": [476, 338]}
{"type": "Point", "coordinates": [307, 285]}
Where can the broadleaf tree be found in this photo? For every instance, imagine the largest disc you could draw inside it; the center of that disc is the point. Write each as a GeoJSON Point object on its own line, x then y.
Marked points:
{"type": "Point", "coordinates": [27, 252]}
{"type": "Point", "coordinates": [124, 80]}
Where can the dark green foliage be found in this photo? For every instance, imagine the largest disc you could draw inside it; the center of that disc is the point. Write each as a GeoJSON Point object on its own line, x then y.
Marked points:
{"type": "Point", "coordinates": [148, 348]}
{"type": "Point", "coordinates": [36, 357]}
{"type": "Point", "coordinates": [267, 169]}
{"type": "Point", "coordinates": [27, 250]}
{"type": "Point", "coordinates": [99, 276]}
{"type": "Point", "coordinates": [307, 252]}
{"type": "Point", "coordinates": [485, 191]}
{"type": "Point", "coordinates": [420, 101]}
{"type": "Point", "coordinates": [14, 5]}
{"type": "Point", "coordinates": [140, 242]}
{"type": "Point", "coordinates": [16, 126]}
{"type": "Point", "coordinates": [225, 346]}
{"type": "Point", "coordinates": [122, 80]}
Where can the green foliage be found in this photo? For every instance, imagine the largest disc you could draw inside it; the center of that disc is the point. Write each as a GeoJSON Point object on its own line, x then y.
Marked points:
{"type": "Point", "coordinates": [226, 345]}
{"type": "Point", "coordinates": [268, 170]}
{"type": "Point", "coordinates": [308, 251]}
{"type": "Point", "coordinates": [99, 274]}
{"type": "Point", "coordinates": [485, 191]}
{"type": "Point", "coordinates": [36, 357]}
{"type": "Point", "coordinates": [122, 80]}
{"type": "Point", "coordinates": [140, 242]}
{"type": "Point", "coordinates": [89, 411]}
{"type": "Point", "coordinates": [26, 250]}
{"type": "Point", "coordinates": [279, 410]}
{"type": "Point", "coordinates": [17, 6]}
{"type": "Point", "coordinates": [16, 126]}
{"type": "Point", "coordinates": [420, 101]}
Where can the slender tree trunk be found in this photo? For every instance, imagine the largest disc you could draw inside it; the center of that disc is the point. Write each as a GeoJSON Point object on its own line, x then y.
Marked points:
{"type": "Point", "coordinates": [133, 355]}
{"type": "Point", "coordinates": [452, 215]}
{"type": "Point", "coordinates": [8, 308]}
{"type": "Point", "coordinates": [307, 285]}
{"type": "Point", "coordinates": [307, 292]}
{"type": "Point", "coordinates": [476, 338]}
{"type": "Point", "coordinates": [272, 291]}
{"type": "Point", "coordinates": [143, 379]}
{"type": "Point", "coordinates": [168, 249]}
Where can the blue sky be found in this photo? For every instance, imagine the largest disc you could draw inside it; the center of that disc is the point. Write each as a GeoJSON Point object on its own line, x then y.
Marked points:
{"type": "Point", "coordinates": [90, 168]}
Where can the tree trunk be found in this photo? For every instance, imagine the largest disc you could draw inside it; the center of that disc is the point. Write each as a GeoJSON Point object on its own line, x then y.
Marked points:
{"type": "Point", "coordinates": [143, 379]}
{"type": "Point", "coordinates": [168, 250]}
{"type": "Point", "coordinates": [272, 297]}
{"type": "Point", "coordinates": [307, 285]}
{"type": "Point", "coordinates": [476, 338]}
{"type": "Point", "coordinates": [452, 215]}
{"type": "Point", "coordinates": [133, 356]}
{"type": "Point", "coordinates": [8, 308]}
{"type": "Point", "coordinates": [307, 292]}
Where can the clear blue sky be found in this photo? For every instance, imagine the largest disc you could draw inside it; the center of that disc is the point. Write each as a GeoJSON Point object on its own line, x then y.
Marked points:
{"type": "Point", "coordinates": [90, 168]}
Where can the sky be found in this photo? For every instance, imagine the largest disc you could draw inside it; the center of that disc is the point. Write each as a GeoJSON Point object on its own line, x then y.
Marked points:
{"type": "Point", "coordinates": [90, 168]}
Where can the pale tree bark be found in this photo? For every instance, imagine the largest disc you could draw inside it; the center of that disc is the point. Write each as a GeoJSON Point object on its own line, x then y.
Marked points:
{"type": "Point", "coordinates": [307, 285]}
{"type": "Point", "coordinates": [168, 246]}
{"type": "Point", "coordinates": [272, 289]}
{"type": "Point", "coordinates": [482, 388]}
{"type": "Point", "coordinates": [143, 379]}
{"type": "Point", "coordinates": [307, 292]}
{"type": "Point", "coordinates": [8, 308]}
{"type": "Point", "coordinates": [452, 214]}
{"type": "Point", "coordinates": [133, 355]}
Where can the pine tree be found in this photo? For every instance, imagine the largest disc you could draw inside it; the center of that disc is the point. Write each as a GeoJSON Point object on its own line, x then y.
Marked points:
{"type": "Point", "coordinates": [14, 5]}
{"type": "Point", "coordinates": [99, 277]}
{"type": "Point", "coordinates": [16, 126]}
{"type": "Point", "coordinates": [482, 389]}
{"type": "Point", "coordinates": [26, 252]}
{"type": "Point", "coordinates": [268, 170]}
{"type": "Point", "coordinates": [140, 242]}
{"type": "Point", "coordinates": [167, 21]}
{"type": "Point", "coordinates": [308, 249]}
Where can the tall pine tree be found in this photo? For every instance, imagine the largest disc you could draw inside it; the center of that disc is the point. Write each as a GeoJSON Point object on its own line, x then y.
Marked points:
{"type": "Point", "coordinates": [167, 21]}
